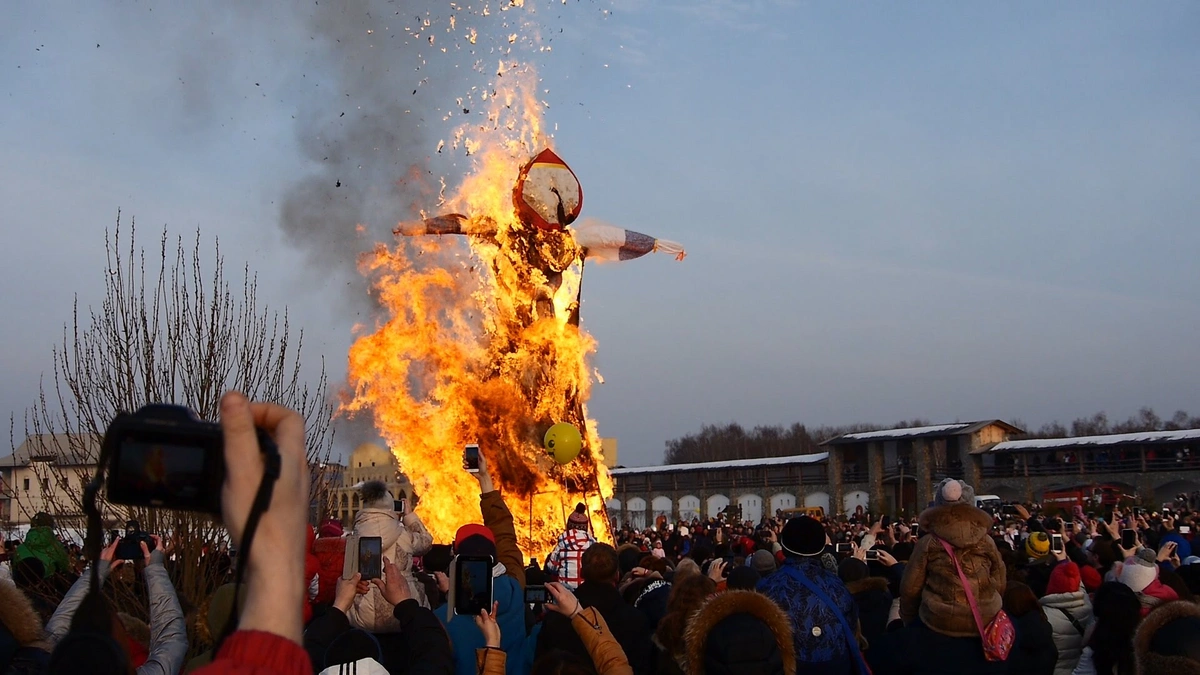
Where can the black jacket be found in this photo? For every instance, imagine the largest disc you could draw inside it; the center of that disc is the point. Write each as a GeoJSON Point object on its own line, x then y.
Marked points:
{"type": "Point", "coordinates": [1034, 652]}
{"type": "Point", "coordinates": [918, 650]}
{"type": "Point", "coordinates": [627, 624]}
{"type": "Point", "coordinates": [874, 604]}
{"type": "Point", "coordinates": [420, 648]}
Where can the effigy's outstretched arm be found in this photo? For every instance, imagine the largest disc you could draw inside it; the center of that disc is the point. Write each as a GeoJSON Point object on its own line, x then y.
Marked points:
{"type": "Point", "coordinates": [609, 242]}
{"type": "Point", "coordinates": [449, 223]}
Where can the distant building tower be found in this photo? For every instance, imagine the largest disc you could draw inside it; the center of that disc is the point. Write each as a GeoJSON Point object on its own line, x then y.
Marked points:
{"type": "Point", "coordinates": [369, 461]}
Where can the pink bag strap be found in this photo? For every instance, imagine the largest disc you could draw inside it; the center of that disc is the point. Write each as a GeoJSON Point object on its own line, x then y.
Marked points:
{"type": "Point", "coordinates": [966, 584]}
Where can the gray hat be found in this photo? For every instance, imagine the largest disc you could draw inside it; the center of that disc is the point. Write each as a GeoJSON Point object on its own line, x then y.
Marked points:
{"type": "Point", "coordinates": [953, 491]}
{"type": "Point", "coordinates": [762, 562]}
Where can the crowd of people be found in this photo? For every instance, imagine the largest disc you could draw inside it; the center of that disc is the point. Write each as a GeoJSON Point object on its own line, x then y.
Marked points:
{"type": "Point", "coordinates": [954, 590]}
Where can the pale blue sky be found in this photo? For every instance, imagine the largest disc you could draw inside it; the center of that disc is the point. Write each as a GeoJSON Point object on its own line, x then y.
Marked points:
{"type": "Point", "coordinates": [938, 210]}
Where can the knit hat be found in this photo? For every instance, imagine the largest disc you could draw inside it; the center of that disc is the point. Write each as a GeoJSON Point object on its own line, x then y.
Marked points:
{"type": "Point", "coordinates": [952, 491]}
{"type": "Point", "coordinates": [361, 667]}
{"type": "Point", "coordinates": [1091, 578]}
{"type": "Point", "coordinates": [1065, 578]}
{"type": "Point", "coordinates": [762, 562]}
{"type": "Point", "coordinates": [578, 520]}
{"type": "Point", "coordinates": [1139, 571]}
{"type": "Point", "coordinates": [331, 528]}
{"type": "Point", "coordinates": [375, 495]}
{"type": "Point", "coordinates": [353, 646]}
{"type": "Point", "coordinates": [803, 536]}
{"type": "Point", "coordinates": [474, 540]}
{"type": "Point", "coordinates": [1037, 545]}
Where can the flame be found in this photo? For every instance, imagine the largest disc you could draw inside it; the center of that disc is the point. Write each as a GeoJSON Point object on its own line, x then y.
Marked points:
{"type": "Point", "coordinates": [479, 345]}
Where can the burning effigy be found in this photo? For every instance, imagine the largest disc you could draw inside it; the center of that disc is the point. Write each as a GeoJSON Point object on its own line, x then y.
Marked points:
{"type": "Point", "coordinates": [482, 342]}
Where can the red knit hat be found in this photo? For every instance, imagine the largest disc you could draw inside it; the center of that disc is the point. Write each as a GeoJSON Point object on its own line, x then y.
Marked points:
{"type": "Point", "coordinates": [1091, 578]}
{"type": "Point", "coordinates": [470, 531]}
{"type": "Point", "coordinates": [1063, 579]}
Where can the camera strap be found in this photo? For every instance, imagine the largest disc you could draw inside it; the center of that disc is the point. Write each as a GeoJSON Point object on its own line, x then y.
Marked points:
{"type": "Point", "coordinates": [262, 501]}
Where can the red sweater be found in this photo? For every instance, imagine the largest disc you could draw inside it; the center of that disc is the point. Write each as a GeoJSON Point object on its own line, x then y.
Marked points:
{"type": "Point", "coordinates": [259, 653]}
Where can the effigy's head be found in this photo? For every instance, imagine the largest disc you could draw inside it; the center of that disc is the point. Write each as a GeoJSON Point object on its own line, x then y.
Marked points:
{"type": "Point", "coordinates": [547, 195]}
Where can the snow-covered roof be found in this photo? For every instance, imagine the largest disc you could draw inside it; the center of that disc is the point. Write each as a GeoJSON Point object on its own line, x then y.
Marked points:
{"type": "Point", "coordinates": [916, 432]}
{"type": "Point", "coordinates": [729, 464]}
{"type": "Point", "coordinates": [1111, 439]}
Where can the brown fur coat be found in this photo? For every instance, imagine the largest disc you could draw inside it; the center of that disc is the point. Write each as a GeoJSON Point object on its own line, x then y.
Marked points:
{"type": "Point", "coordinates": [931, 587]}
{"type": "Point", "coordinates": [18, 616]}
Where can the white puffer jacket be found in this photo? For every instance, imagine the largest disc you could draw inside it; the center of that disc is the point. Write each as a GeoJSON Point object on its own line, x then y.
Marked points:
{"type": "Point", "coordinates": [1068, 638]}
{"type": "Point", "coordinates": [402, 540]}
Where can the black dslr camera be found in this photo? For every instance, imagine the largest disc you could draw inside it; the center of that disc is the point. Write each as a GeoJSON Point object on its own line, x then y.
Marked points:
{"type": "Point", "coordinates": [130, 546]}
{"type": "Point", "coordinates": [163, 456]}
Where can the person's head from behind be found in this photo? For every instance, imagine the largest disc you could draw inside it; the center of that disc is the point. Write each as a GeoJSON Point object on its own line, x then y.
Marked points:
{"type": "Point", "coordinates": [578, 520]}
{"type": "Point", "coordinates": [94, 642]}
{"type": "Point", "coordinates": [600, 565]}
{"type": "Point", "coordinates": [1168, 641]}
{"type": "Point", "coordinates": [1117, 611]}
{"type": "Point", "coordinates": [560, 662]}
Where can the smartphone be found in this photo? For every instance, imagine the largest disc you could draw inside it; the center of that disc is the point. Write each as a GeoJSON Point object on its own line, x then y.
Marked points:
{"type": "Point", "coordinates": [1137, 511]}
{"type": "Point", "coordinates": [885, 522]}
{"type": "Point", "coordinates": [916, 531]}
{"type": "Point", "coordinates": [471, 458]}
{"type": "Point", "coordinates": [872, 554]}
{"type": "Point", "coordinates": [842, 548]}
{"type": "Point", "coordinates": [1056, 543]}
{"type": "Point", "coordinates": [472, 584]}
{"type": "Point", "coordinates": [370, 557]}
{"type": "Point", "coordinates": [1070, 527]}
{"type": "Point", "coordinates": [400, 506]}
{"type": "Point", "coordinates": [538, 595]}
{"type": "Point", "coordinates": [1185, 529]}
{"type": "Point", "coordinates": [1128, 538]}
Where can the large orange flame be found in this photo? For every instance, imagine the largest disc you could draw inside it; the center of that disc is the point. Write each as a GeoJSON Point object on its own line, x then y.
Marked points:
{"type": "Point", "coordinates": [480, 345]}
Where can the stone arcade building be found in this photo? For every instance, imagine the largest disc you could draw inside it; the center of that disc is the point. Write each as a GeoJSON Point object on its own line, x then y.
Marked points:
{"type": "Point", "coordinates": [894, 470]}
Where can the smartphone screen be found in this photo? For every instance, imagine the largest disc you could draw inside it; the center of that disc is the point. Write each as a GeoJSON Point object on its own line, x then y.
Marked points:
{"type": "Point", "coordinates": [472, 585]}
{"type": "Point", "coordinates": [471, 458]}
{"type": "Point", "coordinates": [370, 557]}
{"type": "Point", "coordinates": [1128, 538]}
{"type": "Point", "coordinates": [1056, 543]}
{"type": "Point", "coordinates": [399, 506]}
{"type": "Point", "coordinates": [537, 595]}
{"type": "Point", "coordinates": [872, 554]}
{"type": "Point", "coordinates": [1185, 529]}
{"type": "Point", "coordinates": [916, 531]}
{"type": "Point", "coordinates": [842, 548]}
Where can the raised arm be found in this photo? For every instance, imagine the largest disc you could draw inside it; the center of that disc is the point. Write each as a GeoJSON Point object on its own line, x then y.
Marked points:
{"type": "Point", "coordinates": [499, 520]}
{"type": "Point", "coordinates": [60, 623]}
{"type": "Point", "coordinates": [168, 632]}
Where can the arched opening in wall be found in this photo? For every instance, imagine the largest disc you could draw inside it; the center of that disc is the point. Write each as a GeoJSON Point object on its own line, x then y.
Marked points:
{"type": "Point", "coordinates": [751, 507]}
{"type": "Point", "coordinates": [854, 499]}
{"type": "Point", "coordinates": [781, 502]}
{"type": "Point", "coordinates": [716, 504]}
{"type": "Point", "coordinates": [820, 499]}
{"type": "Point", "coordinates": [637, 513]}
{"type": "Point", "coordinates": [662, 506]}
{"type": "Point", "coordinates": [615, 517]}
{"type": "Point", "coordinates": [1167, 492]}
{"type": "Point", "coordinates": [689, 508]}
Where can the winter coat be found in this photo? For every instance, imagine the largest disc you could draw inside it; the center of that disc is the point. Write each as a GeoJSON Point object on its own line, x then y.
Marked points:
{"type": "Point", "coordinates": [711, 651]}
{"type": "Point", "coordinates": [420, 648]}
{"type": "Point", "coordinates": [331, 559]}
{"type": "Point", "coordinates": [1157, 593]}
{"type": "Point", "coordinates": [21, 647]}
{"type": "Point", "coordinates": [1067, 637]}
{"type": "Point", "coordinates": [917, 650]}
{"type": "Point", "coordinates": [508, 589]}
{"type": "Point", "coordinates": [168, 633]}
{"type": "Point", "coordinates": [254, 652]}
{"type": "Point", "coordinates": [43, 544]}
{"type": "Point", "coordinates": [931, 588]}
{"type": "Point", "coordinates": [1033, 652]}
{"type": "Point", "coordinates": [819, 641]}
{"type": "Point", "coordinates": [401, 541]}
{"type": "Point", "coordinates": [1151, 663]}
{"type": "Point", "coordinates": [565, 561]}
{"type": "Point", "coordinates": [627, 625]}
{"type": "Point", "coordinates": [874, 604]}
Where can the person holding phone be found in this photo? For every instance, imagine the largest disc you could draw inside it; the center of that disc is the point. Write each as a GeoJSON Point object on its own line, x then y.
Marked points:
{"type": "Point", "coordinates": [401, 537]}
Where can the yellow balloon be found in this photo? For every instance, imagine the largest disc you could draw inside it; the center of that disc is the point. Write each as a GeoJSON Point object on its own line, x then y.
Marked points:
{"type": "Point", "coordinates": [563, 442]}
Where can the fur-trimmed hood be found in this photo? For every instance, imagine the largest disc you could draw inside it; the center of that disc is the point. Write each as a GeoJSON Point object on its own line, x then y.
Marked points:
{"type": "Point", "coordinates": [730, 603]}
{"type": "Point", "coordinates": [868, 584]}
{"type": "Point", "coordinates": [1150, 663]}
{"type": "Point", "coordinates": [961, 525]}
{"type": "Point", "coordinates": [18, 616]}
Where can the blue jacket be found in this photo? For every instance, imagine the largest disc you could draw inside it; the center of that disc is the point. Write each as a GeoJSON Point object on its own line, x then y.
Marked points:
{"type": "Point", "coordinates": [1182, 546]}
{"type": "Point", "coordinates": [817, 634]}
{"type": "Point", "coordinates": [466, 638]}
